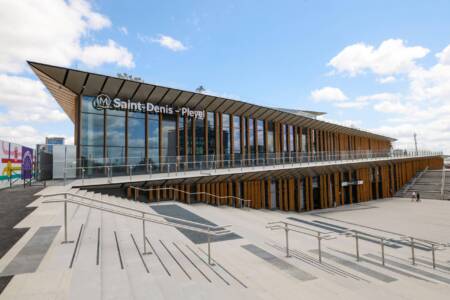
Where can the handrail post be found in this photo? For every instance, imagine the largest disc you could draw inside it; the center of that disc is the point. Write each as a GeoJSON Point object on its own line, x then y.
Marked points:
{"type": "Point", "coordinates": [412, 251]}
{"type": "Point", "coordinates": [209, 247]}
{"type": "Point", "coordinates": [382, 250]}
{"type": "Point", "coordinates": [82, 176]}
{"type": "Point", "coordinates": [143, 235]}
{"type": "Point", "coordinates": [65, 221]}
{"type": "Point", "coordinates": [357, 246]}
{"type": "Point", "coordinates": [286, 229]}
{"type": "Point", "coordinates": [433, 256]}
{"type": "Point", "coordinates": [320, 246]}
{"type": "Point", "coordinates": [130, 168]}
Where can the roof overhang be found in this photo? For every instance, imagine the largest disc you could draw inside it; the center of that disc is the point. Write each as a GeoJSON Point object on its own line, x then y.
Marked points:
{"type": "Point", "coordinates": [66, 84]}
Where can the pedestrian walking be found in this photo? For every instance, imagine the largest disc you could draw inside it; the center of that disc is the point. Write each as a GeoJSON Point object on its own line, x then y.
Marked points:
{"type": "Point", "coordinates": [418, 197]}
{"type": "Point", "coordinates": [413, 197]}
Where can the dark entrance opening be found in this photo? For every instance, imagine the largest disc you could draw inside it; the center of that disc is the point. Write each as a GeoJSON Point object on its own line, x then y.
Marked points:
{"type": "Point", "coordinates": [316, 192]}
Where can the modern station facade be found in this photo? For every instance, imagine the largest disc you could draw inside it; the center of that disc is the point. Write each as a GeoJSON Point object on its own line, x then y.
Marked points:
{"type": "Point", "coordinates": [131, 126]}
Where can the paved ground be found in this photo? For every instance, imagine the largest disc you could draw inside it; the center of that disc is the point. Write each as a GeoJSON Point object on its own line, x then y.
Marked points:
{"type": "Point", "coordinates": [13, 208]}
{"type": "Point", "coordinates": [106, 259]}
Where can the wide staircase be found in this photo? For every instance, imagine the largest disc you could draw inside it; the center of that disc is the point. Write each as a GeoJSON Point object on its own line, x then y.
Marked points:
{"type": "Point", "coordinates": [430, 184]}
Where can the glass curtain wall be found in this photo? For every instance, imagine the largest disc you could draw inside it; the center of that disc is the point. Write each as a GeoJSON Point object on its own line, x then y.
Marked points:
{"type": "Point", "coordinates": [251, 138]}
{"type": "Point", "coordinates": [153, 140]}
{"type": "Point", "coordinates": [211, 136]}
{"type": "Point", "coordinates": [115, 140]}
{"type": "Point", "coordinates": [291, 140]}
{"type": "Point", "coordinates": [237, 139]}
{"type": "Point", "coordinates": [91, 139]}
{"type": "Point", "coordinates": [260, 135]}
{"type": "Point", "coordinates": [199, 140]}
{"type": "Point", "coordinates": [226, 138]}
{"type": "Point", "coordinates": [270, 140]}
{"type": "Point", "coordinates": [136, 141]}
{"type": "Point", "coordinates": [168, 141]}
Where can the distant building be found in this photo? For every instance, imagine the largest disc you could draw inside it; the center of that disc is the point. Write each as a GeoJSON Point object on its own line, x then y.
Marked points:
{"type": "Point", "coordinates": [54, 141]}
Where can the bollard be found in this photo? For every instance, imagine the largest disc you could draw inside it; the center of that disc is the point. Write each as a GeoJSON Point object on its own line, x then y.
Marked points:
{"type": "Point", "coordinates": [382, 251]}
{"type": "Point", "coordinates": [286, 229]}
{"type": "Point", "coordinates": [412, 251]}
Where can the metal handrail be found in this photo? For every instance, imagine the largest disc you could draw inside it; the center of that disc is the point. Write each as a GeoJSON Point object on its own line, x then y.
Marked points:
{"type": "Point", "coordinates": [144, 219]}
{"type": "Point", "coordinates": [137, 210]}
{"type": "Point", "coordinates": [413, 181]}
{"type": "Point", "coordinates": [320, 235]}
{"type": "Point", "coordinates": [443, 183]}
{"type": "Point", "coordinates": [180, 164]}
{"type": "Point", "coordinates": [241, 200]}
{"type": "Point", "coordinates": [433, 245]}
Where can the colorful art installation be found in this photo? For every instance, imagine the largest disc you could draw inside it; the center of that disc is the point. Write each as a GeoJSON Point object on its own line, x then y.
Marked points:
{"type": "Point", "coordinates": [13, 158]}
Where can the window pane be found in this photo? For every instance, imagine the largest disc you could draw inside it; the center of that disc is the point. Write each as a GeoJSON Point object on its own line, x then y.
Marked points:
{"type": "Point", "coordinates": [136, 156]}
{"type": "Point", "coordinates": [211, 134]}
{"type": "Point", "coordinates": [92, 129]}
{"type": "Point", "coordinates": [251, 138]}
{"type": "Point", "coordinates": [153, 138]}
{"type": "Point", "coordinates": [226, 135]}
{"type": "Point", "coordinates": [199, 139]}
{"type": "Point", "coordinates": [236, 135]}
{"type": "Point", "coordinates": [115, 131]}
{"type": "Point", "coordinates": [260, 130]}
{"type": "Point", "coordinates": [270, 138]}
{"type": "Point", "coordinates": [169, 138]}
{"type": "Point", "coordinates": [291, 138]}
{"type": "Point", "coordinates": [136, 132]}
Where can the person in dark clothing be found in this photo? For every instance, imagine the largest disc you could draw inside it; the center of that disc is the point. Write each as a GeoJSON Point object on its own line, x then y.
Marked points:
{"type": "Point", "coordinates": [418, 197]}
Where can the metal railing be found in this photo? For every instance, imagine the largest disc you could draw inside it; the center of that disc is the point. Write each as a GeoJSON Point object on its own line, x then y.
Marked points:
{"type": "Point", "coordinates": [412, 240]}
{"type": "Point", "coordinates": [443, 183]}
{"type": "Point", "coordinates": [144, 216]}
{"type": "Point", "coordinates": [413, 181]}
{"type": "Point", "coordinates": [244, 203]}
{"type": "Point", "coordinates": [105, 167]}
{"type": "Point", "coordinates": [320, 235]}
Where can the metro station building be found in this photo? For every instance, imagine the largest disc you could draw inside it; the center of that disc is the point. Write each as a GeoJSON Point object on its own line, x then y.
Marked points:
{"type": "Point", "coordinates": [277, 158]}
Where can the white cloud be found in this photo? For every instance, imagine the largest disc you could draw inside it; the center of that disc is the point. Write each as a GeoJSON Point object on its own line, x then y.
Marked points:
{"type": "Point", "coordinates": [444, 56]}
{"type": "Point", "coordinates": [391, 57]}
{"type": "Point", "coordinates": [123, 30]}
{"type": "Point", "coordinates": [328, 94]}
{"type": "Point", "coordinates": [51, 31]}
{"type": "Point", "coordinates": [169, 43]}
{"type": "Point", "coordinates": [387, 79]}
{"type": "Point", "coordinates": [27, 100]}
{"type": "Point", "coordinates": [97, 55]}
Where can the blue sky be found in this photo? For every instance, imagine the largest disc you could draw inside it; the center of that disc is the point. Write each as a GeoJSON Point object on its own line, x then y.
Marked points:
{"type": "Point", "coordinates": [275, 53]}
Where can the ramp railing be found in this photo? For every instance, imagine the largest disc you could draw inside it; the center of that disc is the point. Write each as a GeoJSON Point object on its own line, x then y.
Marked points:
{"type": "Point", "coordinates": [244, 203]}
{"type": "Point", "coordinates": [287, 227]}
{"type": "Point", "coordinates": [144, 216]}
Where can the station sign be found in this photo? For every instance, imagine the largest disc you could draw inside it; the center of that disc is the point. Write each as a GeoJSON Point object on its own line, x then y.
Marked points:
{"type": "Point", "coordinates": [103, 101]}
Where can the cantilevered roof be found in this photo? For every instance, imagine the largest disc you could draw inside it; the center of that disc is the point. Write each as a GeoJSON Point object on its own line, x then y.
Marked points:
{"type": "Point", "coordinates": [66, 84]}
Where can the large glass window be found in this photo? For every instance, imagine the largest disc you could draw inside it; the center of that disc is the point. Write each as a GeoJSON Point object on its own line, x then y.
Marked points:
{"type": "Point", "coordinates": [226, 138]}
{"type": "Point", "coordinates": [270, 138]}
{"type": "Point", "coordinates": [136, 138]}
{"type": "Point", "coordinates": [199, 139]}
{"type": "Point", "coordinates": [237, 136]}
{"type": "Point", "coordinates": [260, 132]}
{"type": "Point", "coordinates": [251, 137]}
{"type": "Point", "coordinates": [182, 132]}
{"type": "Point", "coordinates": [304, 140]}
{"type": "Point", "coordinates": [153, 139]}
{"type": "Point", "coordinates": [189, 124]}
{"type": "Point", "coordinates": [169, 138]}
{"type": "Point", "coordinates": [115, 137]}
{"type": "Point", "coordinates": [283, 137]}
{"type": "Point", "coordinates": [211, 134]}
{"type": "Point", "coordinates": [291, 138]}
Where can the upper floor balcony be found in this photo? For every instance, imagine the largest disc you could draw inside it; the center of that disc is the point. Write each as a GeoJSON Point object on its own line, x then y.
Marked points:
{"type": "Point", "coordinates": [108, 171]}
